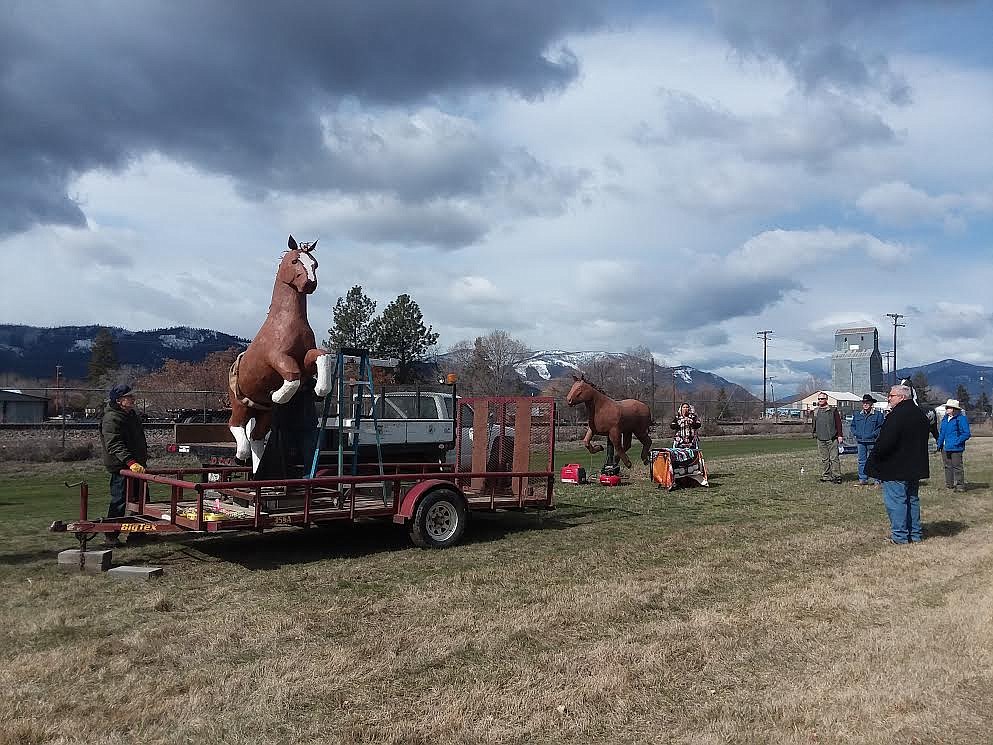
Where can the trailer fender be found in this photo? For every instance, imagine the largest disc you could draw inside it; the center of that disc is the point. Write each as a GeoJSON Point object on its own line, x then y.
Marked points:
{"type": "Point", "coordinates": [408, 505]}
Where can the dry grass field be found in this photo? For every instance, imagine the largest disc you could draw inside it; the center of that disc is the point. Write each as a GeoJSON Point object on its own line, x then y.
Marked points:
{"type": "Point", "coordinates": [765, 609]}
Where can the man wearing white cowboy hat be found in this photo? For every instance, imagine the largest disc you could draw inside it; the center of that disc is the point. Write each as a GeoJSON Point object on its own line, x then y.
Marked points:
{"type": "Point", "coordinates": [952, 434]}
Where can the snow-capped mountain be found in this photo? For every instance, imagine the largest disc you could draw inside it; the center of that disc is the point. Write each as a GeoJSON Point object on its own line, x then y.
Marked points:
{"type": "Point", "coordinates": [541, 368]}
{"type": "Point", "coordinates": [36, 352]}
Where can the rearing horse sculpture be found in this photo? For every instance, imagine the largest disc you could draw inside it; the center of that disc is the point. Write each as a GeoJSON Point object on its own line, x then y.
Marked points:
{"type": "Point", "coordinates": [281, 356]}
{"type": "Point", "coordinates": [619, 420]}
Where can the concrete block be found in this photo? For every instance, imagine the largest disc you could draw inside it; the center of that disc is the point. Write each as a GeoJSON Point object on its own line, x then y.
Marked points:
{"type": "Point", "coordinates": [93, 561]}
{"type": "Point", "coordinates": [139, 574]}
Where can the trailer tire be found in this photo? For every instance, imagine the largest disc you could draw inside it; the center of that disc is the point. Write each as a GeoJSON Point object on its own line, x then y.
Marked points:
{"type": "Point", "coordinates": [439, 520]}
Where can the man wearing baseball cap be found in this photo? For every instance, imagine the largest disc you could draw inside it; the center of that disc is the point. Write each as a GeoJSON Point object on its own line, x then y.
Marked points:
{"type": "Point", "coordinates": [122, 436]}
{"type": "Point", "coordinates": [952, 434]}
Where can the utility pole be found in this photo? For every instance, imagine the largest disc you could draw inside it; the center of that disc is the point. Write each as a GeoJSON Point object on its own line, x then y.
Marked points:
{"type": "Point", "coordinates": [764, 335]}
{"type": "Point", "coordinates": [674, 392]}
{"type": "Point", "coordinates": [651, 361]}
{"type": "Point", "coordinates": [888, 356]}
{"type": "Point", "coordinates": [896, 317]}
{"type": "Point", "coordinates": [61, 398]}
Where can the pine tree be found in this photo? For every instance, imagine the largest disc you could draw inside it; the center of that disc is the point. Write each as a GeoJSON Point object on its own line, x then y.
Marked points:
{"type": "Point", "coordinates": [920, 383]}
{"type": "Point", "coordinates": [984, 403]}
{"type": "Point", "coordinates": [103, 358]}
{"type": "Point", "coordinates": [353, 321]}
{"type": "Point", "coordinates": [400, 333]}
{"type": "Point", "coordinates": [962, 394]}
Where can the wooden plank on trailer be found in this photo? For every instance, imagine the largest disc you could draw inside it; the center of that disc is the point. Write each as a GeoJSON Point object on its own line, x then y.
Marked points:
{"type": "Point", "coordinates": [195, 434]}
{"type": "Point", "coordinates": [480, 442]}
{"type": "Point", "coordinates": [522, 446]}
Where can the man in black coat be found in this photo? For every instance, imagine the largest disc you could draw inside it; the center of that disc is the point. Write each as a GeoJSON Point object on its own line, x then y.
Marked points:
{"type": "Point", "coordinates": [900, 461]}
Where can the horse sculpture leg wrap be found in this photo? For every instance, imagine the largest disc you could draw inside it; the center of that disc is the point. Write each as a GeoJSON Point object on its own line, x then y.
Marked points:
{"type": "Point", "coordinates": [257, 446]}
{"type": "Point", "coordinates": [324, 364]}
{"type": "Point", "coordinates": [241, 437]}
{"type": "Point", "coordinates": [285, 392]}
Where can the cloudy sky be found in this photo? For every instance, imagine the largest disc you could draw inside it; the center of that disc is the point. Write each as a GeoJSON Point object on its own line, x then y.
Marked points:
{"type": "Point", "coordinates": [583, 175]}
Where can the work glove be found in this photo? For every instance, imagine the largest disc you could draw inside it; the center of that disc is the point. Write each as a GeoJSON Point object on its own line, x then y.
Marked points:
{"type": "Point", "coordinates": [137, 468]}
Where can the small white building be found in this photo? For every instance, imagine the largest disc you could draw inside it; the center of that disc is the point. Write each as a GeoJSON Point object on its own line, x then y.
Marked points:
{"type": "Point", "coordinates": [847, 403]}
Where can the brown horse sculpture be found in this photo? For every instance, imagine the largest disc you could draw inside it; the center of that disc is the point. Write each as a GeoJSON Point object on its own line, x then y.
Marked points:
{"type": "Point", "coordinates": [282, 355]}
{"type": "Point", "coordinates": [619, 420]}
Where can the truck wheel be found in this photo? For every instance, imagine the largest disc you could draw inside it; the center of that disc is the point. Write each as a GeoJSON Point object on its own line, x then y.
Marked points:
{"type": "Point", "coordinates": [439, 520]}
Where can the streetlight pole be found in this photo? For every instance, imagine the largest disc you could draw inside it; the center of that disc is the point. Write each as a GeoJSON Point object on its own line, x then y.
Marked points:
{"type": "Point", "coordinates": [764, 335]}
{"type": "Point", "coordinates": [775, 406]}
{"type": "Point", "coordinates": [896, 317]}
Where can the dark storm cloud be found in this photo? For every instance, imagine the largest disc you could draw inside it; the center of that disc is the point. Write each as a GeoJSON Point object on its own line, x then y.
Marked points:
{"type": "Point", "coordinates": [444, 226]}
{"type": "Point", "coordinates": [727, 296]}
{"type": "Point", "coordinates": [242, 89]}
{"type": "Point", "coordinates": [817, 40]}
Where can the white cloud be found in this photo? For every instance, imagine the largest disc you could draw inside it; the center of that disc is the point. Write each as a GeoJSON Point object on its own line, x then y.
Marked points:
{"type": "Point", "coordinates": [898, 203]}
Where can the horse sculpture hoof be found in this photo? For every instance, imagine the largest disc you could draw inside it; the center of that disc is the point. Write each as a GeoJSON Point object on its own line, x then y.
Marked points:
{"type": "Point", "coordinates": [324, 364]}
{"type": "Point", "coordinates": [286, 391]}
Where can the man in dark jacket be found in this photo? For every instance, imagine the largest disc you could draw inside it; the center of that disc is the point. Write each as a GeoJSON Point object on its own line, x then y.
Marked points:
{"type": "Point", "coordinates": [826, 426]}
{"type": "Point", "coordinates": [122, 436]}
{"type": "Point", "coordinates": [865, 429]}
{"type": "Point", "coordinates": [900, 461]}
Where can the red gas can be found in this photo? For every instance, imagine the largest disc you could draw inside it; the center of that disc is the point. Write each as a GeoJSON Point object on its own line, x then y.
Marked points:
{"type": "Point", "coordinates": [573, 474]}
{"type": "Point", "coordinates": [609, 480]}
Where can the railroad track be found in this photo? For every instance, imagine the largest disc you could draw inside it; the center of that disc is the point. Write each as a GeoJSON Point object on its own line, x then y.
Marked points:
{"type": "Point", "coordinates": [82, 425]}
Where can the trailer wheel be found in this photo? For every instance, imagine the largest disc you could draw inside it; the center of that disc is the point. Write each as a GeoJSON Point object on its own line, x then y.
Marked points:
{"type": "Point", "coordinates": [439, 520]}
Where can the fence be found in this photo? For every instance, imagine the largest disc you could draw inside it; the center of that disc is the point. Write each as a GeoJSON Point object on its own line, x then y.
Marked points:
{"type": "Point", "coordinates": [164, 405]}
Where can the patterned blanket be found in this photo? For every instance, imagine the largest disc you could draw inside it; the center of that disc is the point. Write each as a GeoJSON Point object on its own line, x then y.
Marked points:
{"type": "Point", "coordinates": [672, 465]}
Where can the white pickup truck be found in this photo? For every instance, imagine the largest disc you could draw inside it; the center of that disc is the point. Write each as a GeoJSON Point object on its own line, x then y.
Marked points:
{"type": "Point", "coordinates": [420, 425]}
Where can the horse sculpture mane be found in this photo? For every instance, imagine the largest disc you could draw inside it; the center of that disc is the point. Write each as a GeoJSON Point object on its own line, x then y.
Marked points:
{"type": "Point", "coordinates": [281, 357]}
{"type": "Point", "coordinates": [618, 420]}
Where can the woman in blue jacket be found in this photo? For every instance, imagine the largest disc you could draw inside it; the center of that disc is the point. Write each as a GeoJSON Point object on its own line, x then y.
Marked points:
{"type": "Point", "coordinates": [952, 435]}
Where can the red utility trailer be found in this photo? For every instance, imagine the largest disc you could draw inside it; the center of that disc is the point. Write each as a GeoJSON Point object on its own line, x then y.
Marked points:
{"type": "Point", "coordinates": [433, 500]}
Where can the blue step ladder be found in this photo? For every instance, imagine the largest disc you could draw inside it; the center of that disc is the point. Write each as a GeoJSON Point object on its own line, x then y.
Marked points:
{"type": "Point", "coordinates": [345, 392]}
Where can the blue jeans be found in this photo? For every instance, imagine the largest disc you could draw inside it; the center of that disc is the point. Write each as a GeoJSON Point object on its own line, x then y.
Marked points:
{"type": "Point", "coordinates": [904, 509]}
{"type": "Point", "coordinates": [864, 449]}
{"type": "Point", "coordinates": [118, 505]}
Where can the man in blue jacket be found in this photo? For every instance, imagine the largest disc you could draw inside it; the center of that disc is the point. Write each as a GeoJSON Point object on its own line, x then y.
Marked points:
{"type": "Point", "coordinates": [865, 429]}
{"type": "Point", "coordinates": [952, 434]}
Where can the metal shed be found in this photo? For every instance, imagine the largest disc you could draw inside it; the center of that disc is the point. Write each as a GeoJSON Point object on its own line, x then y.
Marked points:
{"type": "Point", "coordinates": [20, 408]}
